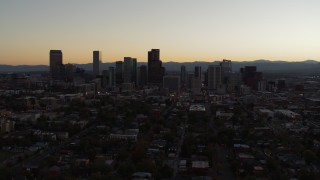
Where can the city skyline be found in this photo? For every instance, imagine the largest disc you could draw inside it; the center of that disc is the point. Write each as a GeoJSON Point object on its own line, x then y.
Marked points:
{"type": "Point", "coordinates": [192, 31]}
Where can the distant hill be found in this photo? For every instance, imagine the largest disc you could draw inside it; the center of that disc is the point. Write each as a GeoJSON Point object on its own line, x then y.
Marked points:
{"type": "Point", "coordinates": [308, 66]}
{"type": "Point", "coordinates": [23, 68]}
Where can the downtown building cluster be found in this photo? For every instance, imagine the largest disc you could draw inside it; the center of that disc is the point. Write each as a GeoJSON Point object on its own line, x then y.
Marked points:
{"type": "Point", "coordinates": [126, 75]}
{"type": "Point", "coordinates": [176, 125]}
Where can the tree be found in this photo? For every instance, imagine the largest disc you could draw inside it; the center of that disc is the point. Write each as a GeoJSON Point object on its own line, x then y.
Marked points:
{"type": "Point", "coordinates": [147, 165]}
{"type": "Point", "coordinates": [166, 172]}
{"type": "Point", "coordinates": [126, 169]}
{"type": "Point", "coordinates": [138, 154]}
{"type": "Point", "coordinates": [5, 173]}
{"type": "Point", "coordinates": [309, 156]}
{"type": "Point", "coordinates": [101, 167]}
{"type": "Point", "coordinates": [304, 174]}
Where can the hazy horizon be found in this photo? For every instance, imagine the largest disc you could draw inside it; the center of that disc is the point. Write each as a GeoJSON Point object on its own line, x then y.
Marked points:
{"type": "Point", "coordinates": [184, 31]}
{"type": "Point", "coordinates": [199, 61]}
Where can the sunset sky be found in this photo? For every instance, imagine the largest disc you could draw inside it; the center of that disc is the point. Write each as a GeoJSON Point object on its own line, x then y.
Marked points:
{"type": "Point", "coordinates": [184, 30]}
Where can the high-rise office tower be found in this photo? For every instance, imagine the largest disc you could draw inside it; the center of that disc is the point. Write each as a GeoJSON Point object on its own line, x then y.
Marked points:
{"type": "Point", "coordinates": [57, 70]}
{"type": "Point", "coordinates": [214, 76]}
{"type": "Point", "coordinates": [183, 76]}
{"type": "Point", "coordinates": [194, 84]}
{"type": "Point", "coordinates": [96, 62]}
{"type": "Point", "coordinates": [197, 72]}
{"type": "Point", "coordinates": [119, 72]}
{"type": "Point", "coordinates": [134, 70]}
{"type": "Point", "coordinates": [155, 69]}
{"type": "Point", "coordinates": [70, 69]}
{"type": "Point", "coordinates": [250, 76]}
{"type": "Point", "coordinates": [127, 67]}
{"type": "Point", "coordinates": [142, 75]}
{"type": "Point", "coordinates": [234, 82]}
{"type": "Point", "coordinates": [129, 70]}
{"type": "Point", "coordinates": [262, 85]}
{"type": "Point", "coordinates": [171, 82]}
{"type": "Point", "coordinates": [226, 66]}
{"type": "Point", "coordinates": [190, 78]}
{"type": "Point", "coordinates": [112, 79]}
{"type": "Point", "coordinates": [154, 55]}
{"type": "Point", "coordinates": [226, 71]}
{"type": "Point", "coordinates": [205, 82]}
{"type": "Point", "coordinates": [105, 78]}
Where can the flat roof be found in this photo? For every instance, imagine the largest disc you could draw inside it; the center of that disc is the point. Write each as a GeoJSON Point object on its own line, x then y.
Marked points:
{"type": "Point", "coordinates": [200, 164]}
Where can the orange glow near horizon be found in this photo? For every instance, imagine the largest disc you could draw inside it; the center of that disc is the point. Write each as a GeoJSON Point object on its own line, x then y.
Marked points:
{"type": "Point", "coordinates": [84, 57]}
{"type": "Point", "coordinates": [209, 30]}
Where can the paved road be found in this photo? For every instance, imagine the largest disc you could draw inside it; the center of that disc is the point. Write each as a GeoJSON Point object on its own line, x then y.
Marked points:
{"type": "Point", "coordinates": [177, 158]}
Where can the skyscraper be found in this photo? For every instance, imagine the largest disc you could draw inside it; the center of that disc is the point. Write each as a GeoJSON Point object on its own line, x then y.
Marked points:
{"type": "Point", "coordinates": [70, 69]}
{"type": "Point", "coordinates": [154, 55]}
{"type": "Point", "coordinates": [171, 82]}
{"type": "Point", "coordinates": [105, 78]}
{"type": "Point", "coordinates": [226, 66]}
{"type": "Point", "coordinates": [226, 71]}
{"type": "Point", "coordinates": [142, 75]}
{"type": "Point", "coordinates": [56, 66]}
{"type": "Point", "coordinates": [119, 72]}
{"type": "Point", "coordinates": [134, 70]}
{"type": "Point", "coordinates": [197, 72]}
{"type": "Point", "coordinates": [250, 76]}
{"type": "Point", "coordinates": [129, 70]}
{"type": "Point", "coordinates": [112, 79]}
{"type": "Point", "coordinates": [155, 69]}
{"type": "Point", "coordinates": [96, 62]}
{"type": "Point", "coordinates": [183, 76]}
{"type": "Point", "coordinates": [194, 84]}
{"type": "Point", "coordinates": [214, 76]}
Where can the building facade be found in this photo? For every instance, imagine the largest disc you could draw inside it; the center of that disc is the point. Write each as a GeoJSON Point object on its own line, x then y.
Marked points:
{"type": "Point", "coordinates": [183, 76]}
{"type": "Point", "coordinates": [96, 62]}
{"type": "Point", "coordinates": [119, 72]}
{"type": "Point", "coordinates": [57, 69]}
{"type": "Point", "coordinates": [155, 69]}
{"type": "Point", "coordinates": [214, 77]}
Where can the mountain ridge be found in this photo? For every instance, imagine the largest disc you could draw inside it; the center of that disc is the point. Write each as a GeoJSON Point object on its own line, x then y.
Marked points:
{"type": "Point", "coordinates": [311, 66]}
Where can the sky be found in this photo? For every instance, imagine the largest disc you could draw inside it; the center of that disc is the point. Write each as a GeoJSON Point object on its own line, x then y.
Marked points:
{"type": "Point", "coordinates": [183, 30]}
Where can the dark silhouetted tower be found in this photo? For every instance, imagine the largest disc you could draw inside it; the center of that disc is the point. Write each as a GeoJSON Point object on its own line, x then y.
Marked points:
{"type": "Point", "coordinates": [214, 76]}
{"type": "Point", "coordinates": [129, 70]}
{"type": "Point", "coordinates": [142, 75]}
{"type": "Point", "coordinates": [250, 76]}
{"type": "Point", "coordinates": [155, 69]}
{"type": "Point", "coordinates": [96, 62]}
{"type": "Point", "coordinates": [111, 75]}
{"type": "Point", "coordinates": [57, 69]}
{"type": "Point", "coordinates": [183, 76]}
{"type": "Point", "coordinates": [197, 72]}
{"type": "Point", "coordinates": [119, 72]}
